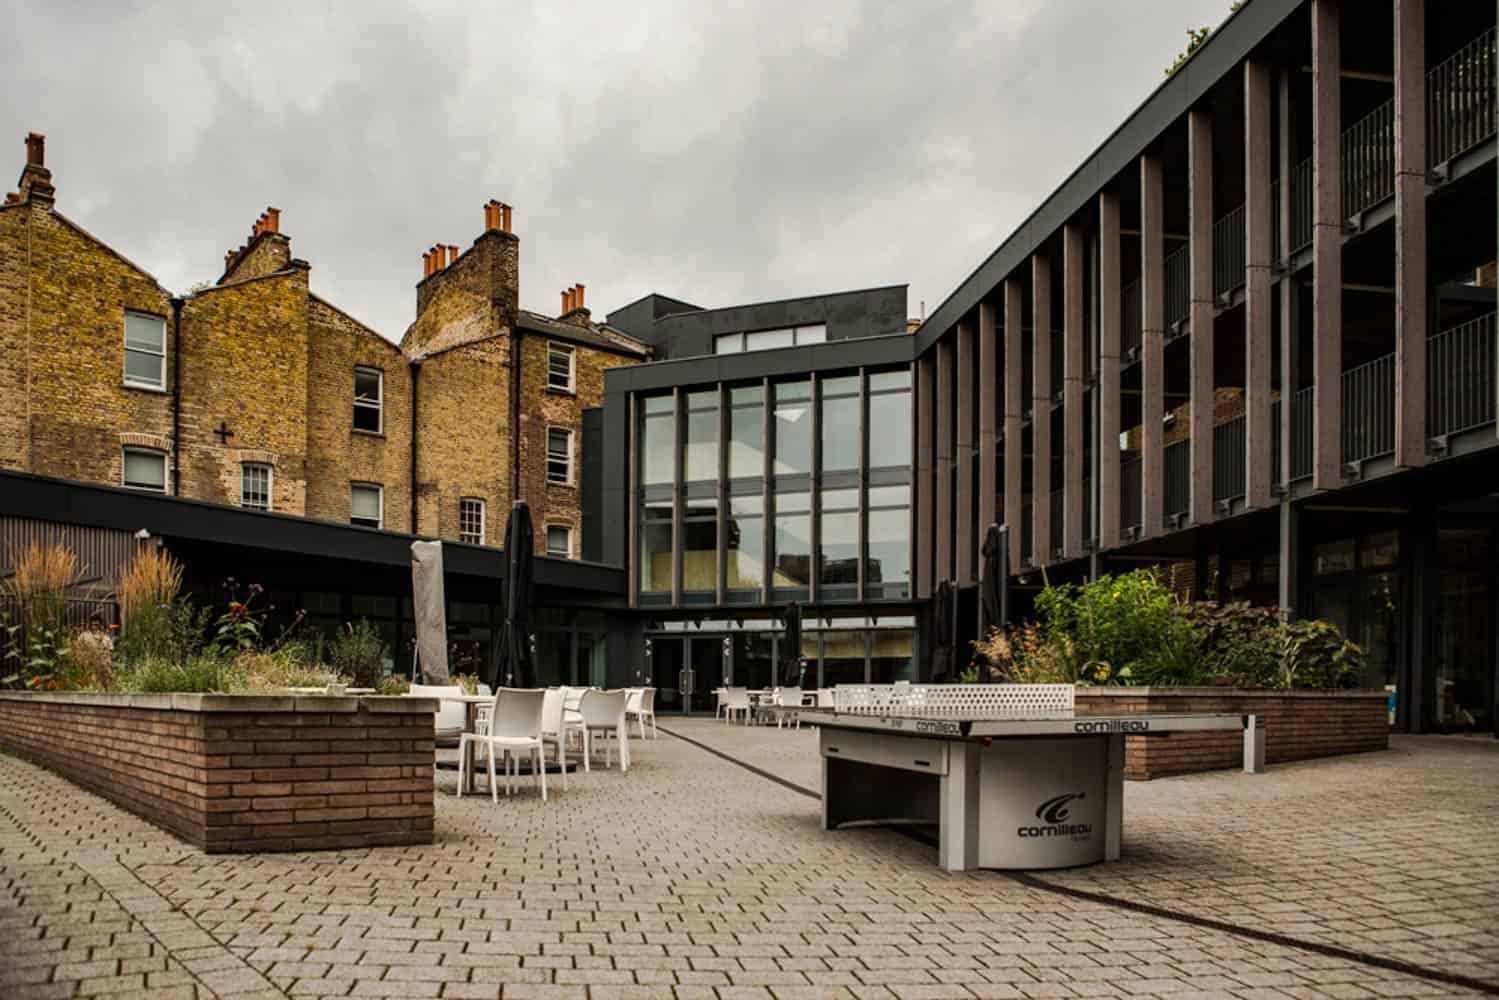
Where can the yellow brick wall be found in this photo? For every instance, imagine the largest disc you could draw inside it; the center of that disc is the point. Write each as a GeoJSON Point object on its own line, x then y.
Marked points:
{"type": "Point", "coordinates": [337, 454]}
{"type": "Point", "coordinates": [541, 408]}
{"type": "Point", "coordinates": [63, 297]}
{"type": "Point", "coordinates": [245, 364]}
{"type": "Point", "coordinates": [463, 439]}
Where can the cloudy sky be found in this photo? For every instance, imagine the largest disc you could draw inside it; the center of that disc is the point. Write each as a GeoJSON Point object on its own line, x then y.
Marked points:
{"type": "Point", "coordinates": [719, 152]}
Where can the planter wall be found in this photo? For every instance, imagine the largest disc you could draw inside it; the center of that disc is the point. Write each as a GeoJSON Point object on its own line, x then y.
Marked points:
{"type": "Point", "coordinates": [1299, 725]}
{"type": "Point", "coordinates": [241, 773]}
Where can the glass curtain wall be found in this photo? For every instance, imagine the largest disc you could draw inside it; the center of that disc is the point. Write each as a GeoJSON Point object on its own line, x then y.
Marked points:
{"type": "Point", "coordinates": [791, 568]}
{"type": "Point", "coordinates": [887, 571]}
{"type": "Point", "coordinates": [700, 495]}
{"type": "Point", "coordinates": [657, 472]}
{"type": "Point", "coordinates": [745, 525]}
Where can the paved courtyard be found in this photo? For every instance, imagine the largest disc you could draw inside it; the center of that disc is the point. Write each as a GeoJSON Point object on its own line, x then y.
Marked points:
{"type": "Point", "coordinates": [695, 877]}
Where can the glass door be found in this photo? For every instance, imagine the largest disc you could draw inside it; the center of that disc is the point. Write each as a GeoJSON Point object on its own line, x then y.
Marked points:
{"type": "Point", "coordinates": [666, 671]}
{"type": "Point", "coordinates": [705, 669]}
{"type": "Point", "coordinates": [1465, 641]}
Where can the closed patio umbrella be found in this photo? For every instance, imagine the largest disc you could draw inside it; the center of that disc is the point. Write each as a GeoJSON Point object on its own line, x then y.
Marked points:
{"type": "Point", "coordinates": [430, 612]}
{"type": "Point", "coordinates": [791, 646]}
{"type": "Point", "coordinates": [944, 660]}
{"type": "Point", "coordinates": [994, 583]}
{"type": "Point", "coordinates": [512, 662]}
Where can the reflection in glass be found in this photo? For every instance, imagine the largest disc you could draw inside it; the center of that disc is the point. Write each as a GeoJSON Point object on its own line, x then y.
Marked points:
{"type": "Point", "coordinates": [702, 436]}
{"type": "Point", "coordinates": [700, 545]}
{"type": "Point", "coordinates": [657, 447]}
{"type": "Point", "coordinates": [747, 432]}
{"type": "Point", "coordinates": [842, 658]}
{"type": "Point", "coordinates": [838, 547]}
{"type": "Point", "coordinates": [840, 424]}
{"type": "Point", "coordinates": [1464, 629]}
{"type": "Point", "coordinates": [888, 570]}
{"type": "Point", "coordinates": [892, 657]}
{"type": "Point", "coordinates": [655, 547]}
{"type": "Point", "coordinates": [890, 419]}
{"type": "Point", "coordinates": [793, 540]}
{"type": "Point", "coordinates": [746, 543]}
{"type": "Point", "coordinates": [793, 428]}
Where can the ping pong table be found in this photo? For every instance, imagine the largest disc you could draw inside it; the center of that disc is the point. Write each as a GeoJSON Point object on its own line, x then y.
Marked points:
{"type": "Point", "coordinates": [1012, 778]}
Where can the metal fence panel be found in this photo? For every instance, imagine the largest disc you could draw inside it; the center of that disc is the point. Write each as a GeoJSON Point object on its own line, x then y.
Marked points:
{"type": "Point", "coordinates": [1229, 459]}
{"type": "Point", "coordinates": [1369, 410]}
{"type": "Point", "coordinates": [1460, 100]}
{"type": "Point", "coordinates": [1460, 377]}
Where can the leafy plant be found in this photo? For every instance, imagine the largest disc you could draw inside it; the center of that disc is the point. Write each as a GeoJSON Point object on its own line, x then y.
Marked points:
{"type": "Point", "coordinates": [469, 682]}
{"type": "Point", "coordinates": [201, 674]}
{"type": "Point", "coordinates": [1314, 654]}
{"type": "Point", "coordinates": [241, 625]}
{"type": "Point", "coordinates": [359, 653]}
{"type": "Point", "coordinates": [39, 584]}
{"type": "Point", "coordinates": [393, 685]}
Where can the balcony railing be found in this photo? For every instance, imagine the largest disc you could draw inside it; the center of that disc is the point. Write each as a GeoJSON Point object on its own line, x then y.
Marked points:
{"type": "Point", "coordinates": [1178, 285]}
{"type": "Point", "coordinates": [1026, 523]}
{"type": "Point", "coordinates": [1130, 320]}
{"type": "Point", "coordinates": [1130, 499]}
{"type": "Point", "coordinates": [1460, 374]}
{"type": "Point", "coordinates": [1369, 160]}
{"type": "Point", "coordinates": [1177, 460]}
{"type": "Point", "coordinates": [1229, 459]}
{"type": "Point", "coordinates": [1058, 361]}
{"type": "Point", "coordinates": [1460, 102]}
{"type": "Point", "coordinates": [1369, 410]}
{"type": "Point", "coordinates": [1229, 252]}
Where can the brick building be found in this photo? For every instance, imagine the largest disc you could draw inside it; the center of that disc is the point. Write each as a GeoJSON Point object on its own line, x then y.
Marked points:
{"type": "Point", "coordinates": [258, 393]}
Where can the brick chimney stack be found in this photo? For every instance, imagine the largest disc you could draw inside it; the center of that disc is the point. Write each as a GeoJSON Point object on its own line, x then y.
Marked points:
{"type": "Point", "coordinates": [573, 307]}
{"type": "Point", "coordinates": [259, 255]}
{"type": "Point", "coordinates": [36, 180]}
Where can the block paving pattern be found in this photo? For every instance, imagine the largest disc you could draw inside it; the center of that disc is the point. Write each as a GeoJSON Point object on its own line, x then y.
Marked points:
{"type": "Point", "coordinates": [692, 877]}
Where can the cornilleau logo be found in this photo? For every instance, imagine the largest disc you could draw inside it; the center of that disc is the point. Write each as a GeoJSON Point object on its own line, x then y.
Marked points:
{"type": "Point", "coordinates": [1053, 814]}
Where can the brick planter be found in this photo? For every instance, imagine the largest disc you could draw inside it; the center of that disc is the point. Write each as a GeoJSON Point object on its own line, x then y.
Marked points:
{"type": "Point", "coordinates": [1299, 725]}
{"type": "Point", "coordinates": [242, 773]}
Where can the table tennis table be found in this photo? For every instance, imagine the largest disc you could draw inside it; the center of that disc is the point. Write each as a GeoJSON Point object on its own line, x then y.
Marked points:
{"type": "Point", "coordinates": [1012, 778]}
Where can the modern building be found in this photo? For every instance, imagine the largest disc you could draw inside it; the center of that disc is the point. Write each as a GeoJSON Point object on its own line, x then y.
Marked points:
{"type": "Point", "coordinates": [1252, 337]}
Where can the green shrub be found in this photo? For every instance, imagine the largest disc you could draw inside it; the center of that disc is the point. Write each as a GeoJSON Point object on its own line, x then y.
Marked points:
{"type": "Point", "coordinates": [1240, 643]}
{"type": "Point", "coordinates": [1314, 654]}
{"type": "Point", "coordinates": [175, 632]}
{"type": "Point", "coordinates": [202, 674]}
{"type": "Point", "coordinates": [1129, 626]}
{"type": "Point", "coordinates": [359, 653]}
{"type": "Point", "coordinates": [287, 666]}
{"type": "Point", "coordinates": [393, 685]}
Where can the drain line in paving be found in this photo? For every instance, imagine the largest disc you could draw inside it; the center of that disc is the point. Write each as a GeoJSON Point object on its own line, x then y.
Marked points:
{"type": "Point", "coordinates": [1032, 882]}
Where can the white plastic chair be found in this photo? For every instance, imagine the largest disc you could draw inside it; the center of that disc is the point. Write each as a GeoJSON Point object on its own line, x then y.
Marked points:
{"type": "Point", "coordinates": [554, 729]}
{"type": "Point", "coordinates": [452, 716]}
{"type": "Point", "coordinates": [640, 705]}
{"type": "Point", "coordinates": [789, 698]}
{"type": "Point", "coordinates": [604, 713]}
{"type": "Point", "coordinates": [824, 697]}
{"type": "Point", "coordinates": [736, 700]}
{"type": "Point", "coordinates": [514, 724]}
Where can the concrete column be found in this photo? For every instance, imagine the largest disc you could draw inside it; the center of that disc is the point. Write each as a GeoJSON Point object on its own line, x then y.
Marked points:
{"type": "Point", "coordinates": [1041, 410]}
{"type": "Point", "coordinates": [1200, 267]}
{"type": "Point", "coordinates": [1072, 392]}
{"type": "Point", "coordinates": [1108, 371]}
{"type": "Point", "coordinates": [945, 459]}
{"type": "Point", "coordinates": [1290, 547]}
{"type": "Point", "coordinates": [963, 520]}
{"type": "Point", "coordinates": [1017, 394]}
{"type": "Point", "coordinates": [1327, 246]}
{"type": "Point", "coordinates": [1153, 343]}
{"type": "Point", "coordinates": [1258, 251]}
{"type": "Point", "coordinates": [1410, 233]}
{"type": "Point", "coordinates": [988, 404]}
{"type": "Point", "coordinates": [926, 473]}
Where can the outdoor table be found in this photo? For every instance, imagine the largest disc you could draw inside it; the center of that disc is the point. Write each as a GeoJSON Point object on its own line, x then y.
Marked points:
{"type": "Point", "coordinates": [471, 703]}
{"type": "Point", "coordinates": [1034, 790]}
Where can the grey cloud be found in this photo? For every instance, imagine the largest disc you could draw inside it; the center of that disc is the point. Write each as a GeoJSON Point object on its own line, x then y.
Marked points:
{"type": "Point", "coordinates": [722, 152]}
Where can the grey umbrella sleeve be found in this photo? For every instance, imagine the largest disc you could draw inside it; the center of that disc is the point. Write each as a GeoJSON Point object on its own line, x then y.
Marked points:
{"type": "Point", "coordinates": [430, 610]}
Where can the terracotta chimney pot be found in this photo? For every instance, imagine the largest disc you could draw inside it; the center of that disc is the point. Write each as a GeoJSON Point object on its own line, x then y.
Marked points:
{"type": "Point", "coordinates": [36, 149]}
{"type": "Point", "coordinates": [505, 218]}
{"type": "Point", "coordinates": [273, 220]}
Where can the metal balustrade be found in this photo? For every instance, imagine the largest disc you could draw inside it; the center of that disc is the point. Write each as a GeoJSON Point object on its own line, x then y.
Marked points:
{"type": "Point", "coordinates": [1369, 410]}
{"type": "Point", "coordinates": [1460, 377]}
{"type": "Point", "coordinates": [1177, 462]}
{"type": "Point", "coordinates": [1460, 100]}
{"type": "Point", "coordinates": [1229, 252]}
{"type": "Point", "coordinates": [1229, 459]}
{"type": "Point", "coordinates": [1369, 160]}
{"type": "Point", "coordinates": [1301, 433]}
{"type": "Point", "coordinates": [1130, 320]}
{"type": "Point", "coordinates": [1178, 286]}
{"type": "Point", "coordinates": [1130, 498]}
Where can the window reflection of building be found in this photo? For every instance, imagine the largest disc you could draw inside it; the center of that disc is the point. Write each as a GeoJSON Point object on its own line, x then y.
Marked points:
{"type": "Point", "coordinates": [1357, 587]}
{"type": "Point", "coordinates": [700, 547]}
{"type": "Point", "coordinates": [844, 658]}
{"type": "Point", "coordinates": [892, 656]}
{"type": "Point", "coordinates": [888, 571]}
{"type": "Point", "coordinates": [793, 428]}
{"type": "Point", "coordinates": [655, 547]}
{"type": "Point", "coordinates": [745, 546]}
{"type": "Point", "coordinates": [793, 543]}
{"type": "Point", "coordinates": [838, 547]}
{"type": "Point", "coordinates": [1465, 654]}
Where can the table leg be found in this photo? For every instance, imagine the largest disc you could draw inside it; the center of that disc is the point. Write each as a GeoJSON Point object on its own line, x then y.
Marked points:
{"type": "Point", "coordinates": [958, 829]}
{"type": "Point", "coordinates": [1113, 819]}
{"type": "Point", "coordinates": [469, 712]}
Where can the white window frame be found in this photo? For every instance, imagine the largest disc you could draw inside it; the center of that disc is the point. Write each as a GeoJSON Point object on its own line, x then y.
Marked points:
{"type": "Point", "coordinates": [378, 405]}
{"type": "Point", "coordinates": [553, 347]}
{"type": "Point", "coordinates": [270, 485]}
{"type": "Point", "coordinates": [464, 536]}
{"type": "Point", "coordinates": [134, 382]}
{"type": "Point", "coordinates": [379, 495]}
{"type": "Point", "coordinates": [571, 454]}
{"type": "Point", "coordinates": [567, 531]}
{"type": "Point", "coordinates": [166, 470]}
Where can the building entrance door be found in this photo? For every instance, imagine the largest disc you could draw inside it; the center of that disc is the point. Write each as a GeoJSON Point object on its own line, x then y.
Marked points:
{"type": "Point", "coordinates": [704, 662]}
{"type": "Point", "coordinates": [1466, 667]}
